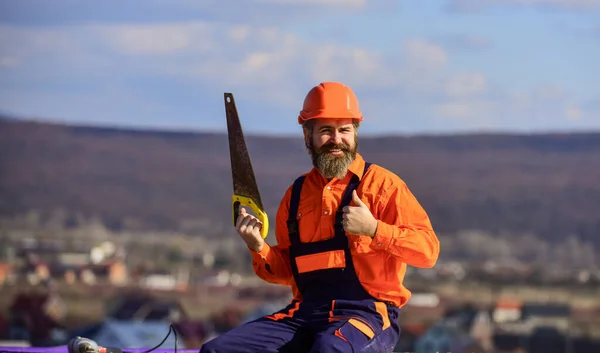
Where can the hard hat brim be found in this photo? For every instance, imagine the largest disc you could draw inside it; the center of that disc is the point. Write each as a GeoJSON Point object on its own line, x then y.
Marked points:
{"type": "Point", "coordinates": [327, 115]}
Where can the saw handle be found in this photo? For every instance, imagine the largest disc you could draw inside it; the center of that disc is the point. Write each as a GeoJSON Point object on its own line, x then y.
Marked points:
{"type": "Point", "coordinates": [239, 200]}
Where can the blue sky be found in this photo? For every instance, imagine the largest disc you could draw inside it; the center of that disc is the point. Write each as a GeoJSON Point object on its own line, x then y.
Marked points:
{"type": "Point", "coordinates": [416, 66]}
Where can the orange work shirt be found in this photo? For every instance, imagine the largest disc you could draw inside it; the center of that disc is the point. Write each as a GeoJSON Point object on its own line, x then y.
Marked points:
{"type": "Point", "coordinates": [404, 233]}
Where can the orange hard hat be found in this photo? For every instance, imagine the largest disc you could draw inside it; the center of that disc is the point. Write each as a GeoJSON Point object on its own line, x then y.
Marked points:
{"type": "Point", "coordinates": [330, 100]}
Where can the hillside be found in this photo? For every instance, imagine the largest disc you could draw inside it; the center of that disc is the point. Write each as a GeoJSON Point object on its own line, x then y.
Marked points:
{"type": "Point", "coordinates": [545, 184]}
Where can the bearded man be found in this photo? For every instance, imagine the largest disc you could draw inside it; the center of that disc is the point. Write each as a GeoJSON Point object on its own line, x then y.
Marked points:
{"type": "Point", "coordinates": [346, 230]}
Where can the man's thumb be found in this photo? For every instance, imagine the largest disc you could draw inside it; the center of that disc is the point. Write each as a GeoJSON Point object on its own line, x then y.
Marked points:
{"type": "Point", "coordinates": [356, 199]}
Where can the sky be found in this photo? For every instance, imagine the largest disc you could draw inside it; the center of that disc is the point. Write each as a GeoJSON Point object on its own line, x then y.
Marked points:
{"type": "Point", "coordinates": [435, 66]}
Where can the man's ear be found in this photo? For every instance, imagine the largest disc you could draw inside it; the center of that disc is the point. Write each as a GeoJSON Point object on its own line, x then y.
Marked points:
{"type": "Point", "coordinates": [307, 136]}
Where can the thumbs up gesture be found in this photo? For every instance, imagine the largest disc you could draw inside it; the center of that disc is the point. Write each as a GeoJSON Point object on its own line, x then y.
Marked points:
{"type": "Point", "coordinates": [359, 220]}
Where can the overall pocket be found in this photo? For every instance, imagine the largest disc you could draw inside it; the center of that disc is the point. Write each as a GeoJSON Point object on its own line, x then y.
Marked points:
{"type": "Point", "coordinates": [366, 325]}
{"type": "Point", "coordinates": [365, 316]}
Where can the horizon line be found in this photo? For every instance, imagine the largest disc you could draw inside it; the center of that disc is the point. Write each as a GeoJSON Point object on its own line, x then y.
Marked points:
{"type": "Point", "coordinates": [187, 130]}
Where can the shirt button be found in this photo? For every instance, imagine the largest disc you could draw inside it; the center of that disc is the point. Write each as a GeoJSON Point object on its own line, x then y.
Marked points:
{"type": "Point", "coordinates": [328, 187]}
{"type": "Point", "coordinates": [326, 212]}
{"type": "Point", "coordinates": [299, 214]}
{"type": "Point", "coordinates": [378, 244]}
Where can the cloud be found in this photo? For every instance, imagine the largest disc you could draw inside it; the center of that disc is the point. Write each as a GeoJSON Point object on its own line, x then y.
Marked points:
{"type": "Point", "coordinates": [596, 32]}
{"type": "Point", "coordinates": [426, 55]}
{"type": "Point", "coordinates": [264, 63]}
{"type": "Point", "coordinates": [544, 107]}
{"type": "Point", "coordinates": [573, 113]}
{"type": "Point", "coordinates": [477, 111]}
{"type": "Point", "coordinates": [8, 62]}
{"type": "Point", "coordinates": [477, 5]}
{"type": "Point", "coordinates": [548, 93]}
{"type": "Point", "coordinates": [466, 84]}
{"type": "Point", "coordinates": [279, 63]}
{"type": "Point", "coordinates": [159, 39]}
{"type": "Point", "coordinates": [126, 71]}
{"type": "Point", "coordinates": [464, 41]}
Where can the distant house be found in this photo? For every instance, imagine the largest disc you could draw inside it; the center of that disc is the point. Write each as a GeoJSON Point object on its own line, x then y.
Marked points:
{"type": "Point", "coordinates": [113, 271]}
{"type": "Point", "coordinates": [525, 317]}
{"type": "Point", "coordinates": [6, 272]}
{"type": "Point", "coordinates": [424, 308]}
{"type": "Point", "coordinates": [460, 328]}
{"type": "Point", "coordinates": [507, 311]}
{"type": "Point", "coordinates": [437, 339]}
{"type": "Point", "coordinates": [555, 315]}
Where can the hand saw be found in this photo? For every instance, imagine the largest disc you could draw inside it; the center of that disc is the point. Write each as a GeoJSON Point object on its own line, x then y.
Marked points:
{"type": "Point", "coordinates": [245, 189]}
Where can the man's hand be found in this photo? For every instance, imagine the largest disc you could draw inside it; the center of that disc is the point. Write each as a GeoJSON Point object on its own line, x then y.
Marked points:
{"type": "Point", "coordinates": [358, 219]}
{"type": "Point", "coordinates": [249, 227]}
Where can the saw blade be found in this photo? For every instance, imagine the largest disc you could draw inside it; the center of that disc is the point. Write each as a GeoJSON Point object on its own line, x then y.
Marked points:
{"type": "Point", "coordinates": [244, 181]}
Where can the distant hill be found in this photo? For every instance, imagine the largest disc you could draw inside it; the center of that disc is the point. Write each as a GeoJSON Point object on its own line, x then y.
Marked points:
{"type": "Point", "coordinates": [547, 184]}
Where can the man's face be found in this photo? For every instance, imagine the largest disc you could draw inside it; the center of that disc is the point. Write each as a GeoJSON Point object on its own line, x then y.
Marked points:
{"type": "Point", "coordinates": [332, 146]}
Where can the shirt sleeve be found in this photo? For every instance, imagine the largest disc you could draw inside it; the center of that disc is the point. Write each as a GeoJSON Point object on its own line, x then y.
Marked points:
{"type": "Point", "coordinates": [272, 263]}
{"type": "Point", "coordinates": [404, 229]}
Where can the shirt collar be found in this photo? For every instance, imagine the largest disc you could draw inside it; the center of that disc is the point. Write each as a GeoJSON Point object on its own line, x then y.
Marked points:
{"type": "Point", "coordinates": [357, 166]}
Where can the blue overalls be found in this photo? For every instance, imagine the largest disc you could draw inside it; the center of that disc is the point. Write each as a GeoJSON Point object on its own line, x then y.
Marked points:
{"type": "Point", "coordinates": [336, 313]}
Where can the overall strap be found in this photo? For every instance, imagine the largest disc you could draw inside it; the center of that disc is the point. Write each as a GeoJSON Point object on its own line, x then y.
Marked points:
{"type": "Point", "coordinates": [346, 198]}
{"type": "Point", "coordinates": [292, 222]}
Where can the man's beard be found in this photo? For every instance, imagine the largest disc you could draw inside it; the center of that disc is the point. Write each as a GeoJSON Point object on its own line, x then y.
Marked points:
{"type": "Point", "coordinates": [331, 165]}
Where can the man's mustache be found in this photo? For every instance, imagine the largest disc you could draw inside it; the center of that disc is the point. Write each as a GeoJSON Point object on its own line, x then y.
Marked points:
{"type": "Point", "coordinates": [328, 147]}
